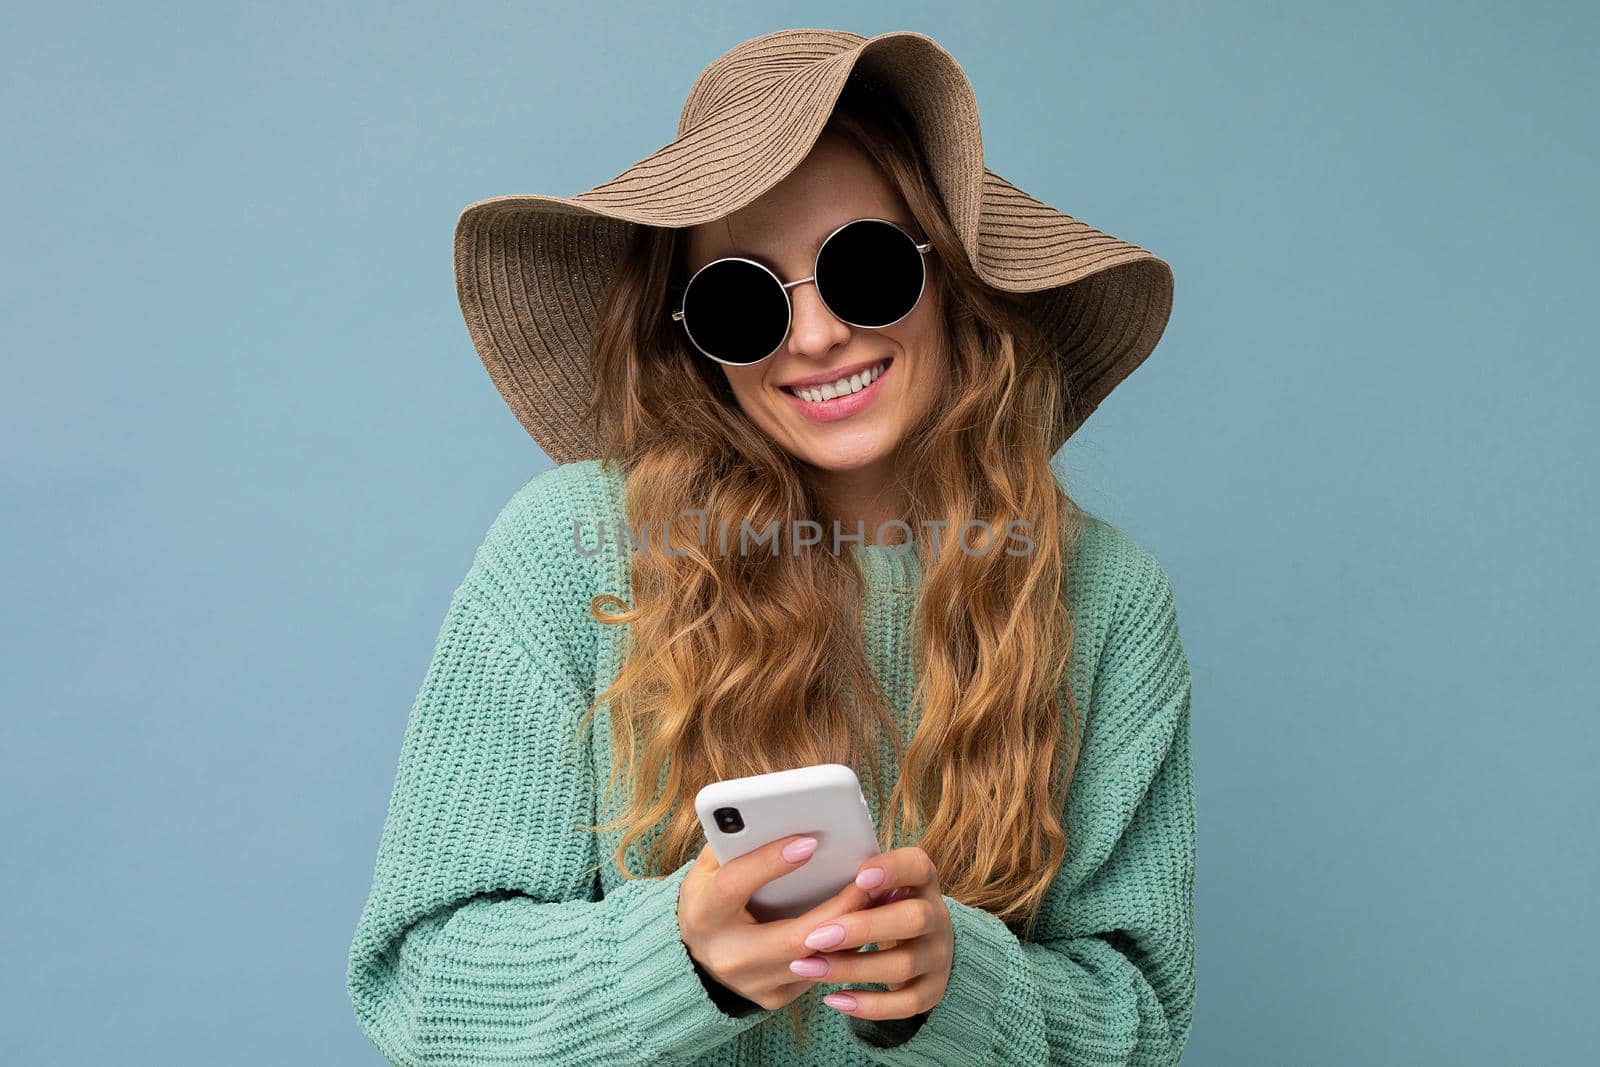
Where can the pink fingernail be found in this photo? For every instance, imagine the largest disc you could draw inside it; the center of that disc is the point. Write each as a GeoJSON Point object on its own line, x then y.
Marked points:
{"type": "Point", "coordinates": [810, 967]}
{"type": "Point", "coordinates": [825, 936]}
{"type": "Point", "coordinates": [871, 878]}
{"type": "Point", "coordinates": [799, 849]}
{"type": "Point", "coordinates": [843, 1001]}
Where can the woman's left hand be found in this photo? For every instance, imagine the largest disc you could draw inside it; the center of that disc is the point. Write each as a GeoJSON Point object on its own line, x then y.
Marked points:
{"type": "Point", "coordinates": [911, 926]}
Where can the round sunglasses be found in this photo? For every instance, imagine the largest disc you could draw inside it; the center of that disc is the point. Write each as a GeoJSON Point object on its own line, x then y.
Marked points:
{"type": "Point", "coordinates": [869, 273]}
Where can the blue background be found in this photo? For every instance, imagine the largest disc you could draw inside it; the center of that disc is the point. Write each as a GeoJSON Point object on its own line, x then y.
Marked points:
{"type": "Point", "coordinates": [248, 452]}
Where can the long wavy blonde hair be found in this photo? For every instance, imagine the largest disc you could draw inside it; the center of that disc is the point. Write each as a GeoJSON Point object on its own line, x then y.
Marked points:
{"type": "Point", "coordinates": [741, 665]}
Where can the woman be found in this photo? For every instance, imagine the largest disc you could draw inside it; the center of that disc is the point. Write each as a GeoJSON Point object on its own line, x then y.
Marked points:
{"type": "Point", "coordinates": [815, 310]}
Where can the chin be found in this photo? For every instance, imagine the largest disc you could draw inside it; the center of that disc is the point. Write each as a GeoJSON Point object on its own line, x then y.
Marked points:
{"type": "Point", "coordinates": [848, 455]}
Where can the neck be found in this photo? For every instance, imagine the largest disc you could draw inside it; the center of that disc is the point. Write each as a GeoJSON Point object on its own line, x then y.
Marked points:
{"type": "Point", "coordinates": [870, 495]}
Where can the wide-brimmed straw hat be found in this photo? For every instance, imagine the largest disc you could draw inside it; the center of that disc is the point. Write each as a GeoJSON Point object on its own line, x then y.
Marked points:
{"type": "Point", "coordinates": [531, 270]}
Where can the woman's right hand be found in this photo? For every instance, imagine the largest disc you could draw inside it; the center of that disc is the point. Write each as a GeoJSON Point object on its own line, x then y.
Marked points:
{"type": "Point", "coordinates": [747, 956]}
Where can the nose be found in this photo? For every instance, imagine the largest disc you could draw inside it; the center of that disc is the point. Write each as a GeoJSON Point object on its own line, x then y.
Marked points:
{"type": "Point", "coordinates": [813, 331]}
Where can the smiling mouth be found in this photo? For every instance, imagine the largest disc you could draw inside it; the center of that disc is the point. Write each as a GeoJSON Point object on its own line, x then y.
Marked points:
{"type": "Point", "coordinates": [843, 387]}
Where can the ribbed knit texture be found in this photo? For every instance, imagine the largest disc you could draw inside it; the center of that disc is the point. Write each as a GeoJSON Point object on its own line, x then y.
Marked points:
{"type": "Point", "coordinates": [482, 942]}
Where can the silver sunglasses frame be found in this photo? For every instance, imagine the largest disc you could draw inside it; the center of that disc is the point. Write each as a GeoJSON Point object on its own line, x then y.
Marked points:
{"type": "Point", "coordinates": [922, 247]}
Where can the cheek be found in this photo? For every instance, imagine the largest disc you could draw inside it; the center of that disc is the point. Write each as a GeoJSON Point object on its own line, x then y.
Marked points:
{"type": "Point", "coordinates": [930, 361]}
{"type": "Point", "coordinates": [743, 383]}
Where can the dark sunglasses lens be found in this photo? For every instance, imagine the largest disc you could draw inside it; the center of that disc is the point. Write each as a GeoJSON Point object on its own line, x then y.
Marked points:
{"type": "Point", "coordinates": [870, 274]}
{"type": "Point", "coordinates": [735, 311]}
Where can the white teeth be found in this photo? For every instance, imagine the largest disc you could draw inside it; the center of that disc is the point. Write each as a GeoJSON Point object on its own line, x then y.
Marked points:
{"type": "Point", "coordinates": [853, 384]}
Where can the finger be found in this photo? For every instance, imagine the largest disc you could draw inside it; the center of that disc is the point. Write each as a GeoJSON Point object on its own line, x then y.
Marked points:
{"type": "Point", "coordinates": [733, 884]}
{"type": "Point", "coordinates": [915, 996]}
{"type": "Point", "coordinates": [700, 871]}
{"type": "Point", "coordinates": [897, 893]}
{"type": "Point", "coordinates": [781, 940]}
{"type": "Point", "coordinates": [702, 875]}
{"type": "Point", "coordinates": [849, 898]}
{"type": "Point", "coordinates": [893, 966]}
{"type": "Point", "coordinates": [901, 921]}
{"type": "Point", "coordinates": [704, 866]}
{"type": "Point", "coordinates": [884, 946]}
{"type": "Point", "coordinates": [908, 866]}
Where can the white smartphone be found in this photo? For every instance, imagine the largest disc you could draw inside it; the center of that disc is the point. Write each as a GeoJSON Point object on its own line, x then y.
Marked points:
{"type": "Point", "coordinates": [824, 801]}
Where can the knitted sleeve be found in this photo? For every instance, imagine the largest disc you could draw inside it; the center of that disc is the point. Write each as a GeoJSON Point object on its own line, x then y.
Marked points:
{"type": "Point", "coordinates": [1110, 978]}
{"type": "Point", "coordinates": [482, 939]}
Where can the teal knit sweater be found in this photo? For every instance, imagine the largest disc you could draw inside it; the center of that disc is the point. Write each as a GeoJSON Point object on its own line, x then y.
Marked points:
{"type": "Point", "coordinates": [482, 941]}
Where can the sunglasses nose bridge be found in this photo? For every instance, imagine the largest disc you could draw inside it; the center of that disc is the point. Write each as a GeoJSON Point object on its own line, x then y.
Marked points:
{"type": "Point", "coordinates": [814, 327]}
{"type": "Point", "coordinates": [793, 306]}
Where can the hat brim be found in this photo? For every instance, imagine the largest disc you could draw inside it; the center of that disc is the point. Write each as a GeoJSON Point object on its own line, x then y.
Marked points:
{"type": "Point", "coordinates": [531, 269]}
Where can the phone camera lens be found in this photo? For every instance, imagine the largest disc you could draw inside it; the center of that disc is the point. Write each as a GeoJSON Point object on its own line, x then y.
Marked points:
{"type": "Point", "coordinates": [728, 820]}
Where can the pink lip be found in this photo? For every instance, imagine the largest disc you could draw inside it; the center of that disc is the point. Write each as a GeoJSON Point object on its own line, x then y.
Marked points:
{"type": "Point", "coordinates": [840, 407]}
